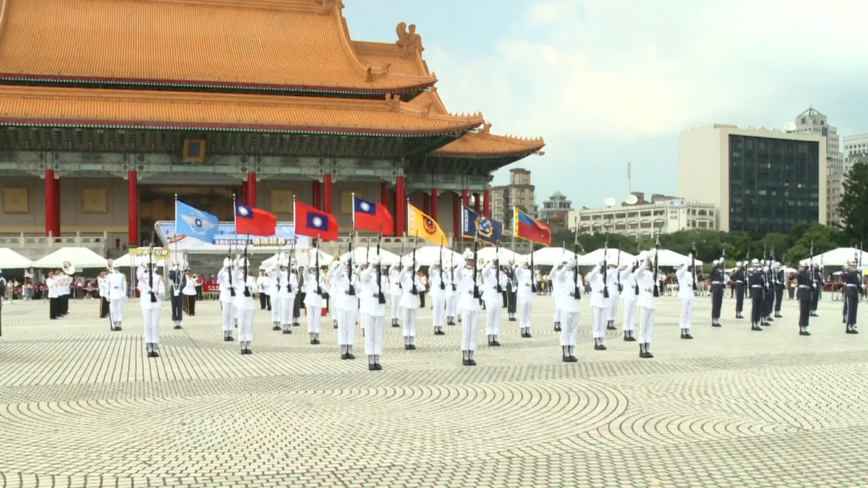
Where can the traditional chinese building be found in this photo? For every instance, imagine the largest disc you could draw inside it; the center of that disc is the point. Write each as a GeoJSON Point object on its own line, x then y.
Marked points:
{"type": "Point", "coordinates": [109, 108]}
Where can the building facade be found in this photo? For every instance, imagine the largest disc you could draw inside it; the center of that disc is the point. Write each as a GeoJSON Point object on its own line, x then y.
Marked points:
{"type": "Point", "coordinates": [811, 121]}
{"type": "Point", "coordinates": [267, 101]}
{"type": "Point", "coordinates": [555, 211]}
{"type": "Point", "coordinates": [855, 150]}
{"type": "Point", "coordinates": [519, 192]}
{"type": "Point", "coordinates": [761, 181]}
{"type": "Point", "coordinates": [645, 219]}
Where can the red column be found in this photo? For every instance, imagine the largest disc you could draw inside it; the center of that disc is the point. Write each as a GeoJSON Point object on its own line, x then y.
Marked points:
{"type": "Point", "coordinates": [315, 190]}
{"type": "Point", "coordinates": [133, 207]}
{"type": "Point", "coordinates": [384, 196]}
{"type": "Point", "coordinates": [426, 203]}
{"type": "Point", "coordinates": [434, 204]}
{"type": "Point", "coordinates": [57, 213]}
{"type": "Point", "coordinates": [50, 207]}
{"type": "Point", "coordinates": [476, 202]}
{"type": "Point", "coordinates": [327, 193]}
{"type": "Point", "coordinates": [486, 203]}
{"type": "Point", "coordinates": [456, 216]}
{"type": "Point", "coordinates": [465, 199]}
{"type": "Point", "coordinates": [400, 206]}
{"type": "Point", "coordinates": [250, 194]}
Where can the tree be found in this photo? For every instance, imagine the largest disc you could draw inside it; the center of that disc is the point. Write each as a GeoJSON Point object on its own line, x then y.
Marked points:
{"type": "Point", "coordinates": [855, 201]}
{"type": "Point", "coordinates": [821, 237]}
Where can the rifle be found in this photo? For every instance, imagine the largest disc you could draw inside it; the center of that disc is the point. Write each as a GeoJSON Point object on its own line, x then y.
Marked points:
{"type": "Point", "coordinates": [381, 298]}
{"type": "Point", "coordinates": [246, 289]}
{"type": "Point", "coordinates": [351, 291]}
{"type": "Point", "coordinates": [442, 271]}
{"type": "Point", "coordinates": [577, 292]}
{"type": "Point", "coordinates": [497, 266]}
{"type": "Point", "coordinates": [774, 273]}
{"type": "Point", "coordinates": [811, 264]}
{"type": "Point", "coordinates": [656, 266]}
{"type": "Point", "coordinates": [289, 268]}
{"type": "Point", "coordinates": [605, 269]}
{"type": "Point", "coordinates": [413, 289]}
{"type": "Point", "coordinates": [229, 271]}
{"type": "Point", "coordinates": [150, 270]}
{"type": "Point", "coordinates": [316, 264]}
{"type": "Point", "coordinates": [532, 280]}
{"type": "Point", "coordinates": [693, 264]}
{"type": "Point", "coordinates": [476, 295]}
{"type": "Point", "coordinates": [618, 274]}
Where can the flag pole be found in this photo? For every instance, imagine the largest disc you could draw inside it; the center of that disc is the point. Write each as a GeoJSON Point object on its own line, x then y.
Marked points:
{"type": "Point", "coordinates": [354, 211]}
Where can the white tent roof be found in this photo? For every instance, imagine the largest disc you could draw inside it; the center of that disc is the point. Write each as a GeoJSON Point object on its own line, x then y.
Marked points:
{"type": "Point", "coordinates": [80, 257]}
{"type": "Point", "coordinates": [130, 261]}
{"type": "Point", "coordinates": [10, 259]}
{"type": "Point", "coordinates": [596, 257]}
{"type": "Point", "coordinates": [665, 257]}
{"type": "Point", "coordinates": [838, 257]}
{"type": "Point", "coordinates": [551, 256]}
{"type": "Point", "coordinates": [428, 255]}
{"type": "Point", "coordinates": [363, 254]}
{"type": "Point", "coordinates": [503, 254]}
{"type": "Point", "coordinates": [300, 258]}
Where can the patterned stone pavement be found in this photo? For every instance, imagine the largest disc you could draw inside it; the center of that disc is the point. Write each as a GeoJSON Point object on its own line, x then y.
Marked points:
{"type": "Point", "coordinates": [83, 407]}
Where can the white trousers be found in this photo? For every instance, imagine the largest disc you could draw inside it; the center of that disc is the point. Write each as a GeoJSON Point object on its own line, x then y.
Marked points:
{"type": "Point", "coordinates": [686, 312]}
{"type": "Point", "coordinates": [646, 322]}
{"type": "Point", "coordinates": [314, 319]}
{"type": "Point", "coordinates": [451, 304]}
{"type": "Point", "coordinates": [285, 313]}
{"type": "Point", "coordinates": [526, 311]}
{"type": "Point", "coordinates": [409, 321]}
{"type": "Point", "coordinates": [275, 308]}
{"type": "Point", "coordinates": [439, 311]}
{"type": "Point", "coordinates": [245, 324]}
{"type": "Point", "coordinates": [557, 315]}
{"type": "Point", "coordinates": [228, 316]}
{"type": "Point", "coordinates": [394, 302]}
{"type": "Point", "coordinates": [152, 325]}
{"type": "Point", "coordinates": [569, 327]}
{"type": "Point", "coordinates": [469, 329]}
{"type": "Point", "coordinates": [346, 327]}
{"type": "Point", "coordinates": [492, 324]}
{"type": "Point", "coordinates": [599, 322]}
{"type": "Point", "coordinates": [373, 334]}
{"type": "Point", "coordinates": [612, 311]}
{"type": "Point", "coordinates": [629, 314]}
{"type": "Point", "coordinates": [116, 309]}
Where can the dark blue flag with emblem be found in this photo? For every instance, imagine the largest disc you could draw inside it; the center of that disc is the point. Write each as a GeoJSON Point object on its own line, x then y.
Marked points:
{"type": "Point", "coordinates": [473, 224]}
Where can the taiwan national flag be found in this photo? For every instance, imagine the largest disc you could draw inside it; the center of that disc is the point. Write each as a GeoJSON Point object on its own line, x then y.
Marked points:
{"type": "Point", "coordinates": [314, 223]}
{"type": "Point", "coordinates": [372, 216]}
{"type": "Point", "coordinates": [526, 227]}
{"type": "Point", "coordinates": [255, 222]}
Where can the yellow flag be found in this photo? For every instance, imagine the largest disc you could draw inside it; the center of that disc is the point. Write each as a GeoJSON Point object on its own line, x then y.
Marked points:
{"type": "Point", "coordinates": [422, 226]}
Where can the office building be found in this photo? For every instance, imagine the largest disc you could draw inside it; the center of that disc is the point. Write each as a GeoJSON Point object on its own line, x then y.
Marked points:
{"type": "Point", "coordinates": [855, 150]}
{"type": "Point", "coordinates": [555, 211]}
{"type": "Point", "coordinates": [811, 121]}
{"type": "Point", "coordinates": [519, 192]}
{"type": "Point", "coordinates": [761, 180]}
{"type": "Point", "coordinates": [664, 216]}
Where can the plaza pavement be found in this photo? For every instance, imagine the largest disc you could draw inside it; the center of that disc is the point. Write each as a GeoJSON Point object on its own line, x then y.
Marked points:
{"type": "Point", "coordinates": [83, 407]}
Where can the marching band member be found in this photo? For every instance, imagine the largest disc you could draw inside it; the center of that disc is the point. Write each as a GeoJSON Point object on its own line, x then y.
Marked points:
{"type": "Point", "coordinates": [117, 294]}
{"type": "Point", "coordinates": [245, 287]}
{"type": "Point", "coordinates": [687, 296]}
{"type": "Point", "coordinates": [263, 286]}
{"type": "Point", "coordinates": [395, 293]}
{"type": "Point", "coordinates": [226, 285]}
{"type": "Point", "coordinates": [373, 310]}
{"type": "Point", "coordinates": [189, 292]}
{"type": "Point", "coordinates": [50, 284]}
{"type": "Point", "coordinates": [102, 285]}
{"type": "Point", "coordinates": [439, 291]}
{"type": "Point", "coordinates": [804, 284]}
{"type": "Point", "coordinates": [647, 305]}
{"type": "Point", "coordinates": [344, 283]}
{"type": "Point", "coordinates": [630, 293]}
{"type": "Point", "coordinates": [566, 274]}
{"type": "Point", "coordinates": [468, 305]}
{"type": "Point", "coordinates": [314, 287]}
{"type": "Point", "coordinates": [151, 291]}
{"type": "Point", "coordinates": [177, 299]}
{"type": "Point", "coordinates": [524, 295]}
{"type": "Point", "coordinates": [614, 284]}
{"type": "Point", "coordinates": [491, 277]}
{"type": "Point", "coordinates": [599, 305]}
{"type": "Point", "coordinates": [411, 285]}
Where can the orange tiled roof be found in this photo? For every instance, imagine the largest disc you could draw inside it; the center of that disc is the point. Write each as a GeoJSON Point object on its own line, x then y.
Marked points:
{"type": "Point", "coordinates": [300, 45]}
{"type": "Point", "coordinates": [80, 107]}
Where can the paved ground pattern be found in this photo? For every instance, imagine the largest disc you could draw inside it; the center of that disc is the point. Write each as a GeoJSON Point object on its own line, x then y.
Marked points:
{"type": "Point", "coordinates": [83, 407]}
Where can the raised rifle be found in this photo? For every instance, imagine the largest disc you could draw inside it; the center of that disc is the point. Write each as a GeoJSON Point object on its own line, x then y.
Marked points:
{"type": "Point", "coordinates": [151, 270]}
{"type": "Point", "coordinates": [413, 289]}
{"type": "Point", "coordinates": [381, 297]}
{"type": "Point", "coordinates": [656, 267]}
{"type": "Point", "coordinates": [246, 262]}
{"type": "Point", "coordinates": [618, 274]}
{"type": "Point", "coordinates": [577, 291]}
{"type": "Point", "coordinates": [532, 280]}
{"type": "Point", "coordinates": [476, 295]}
{"type": "Point", "coordinates": [229, 271]}
{"type": "Point", "coordinates": [497, 266]}
{"type": "Point", "coordinates": [693, 264]}
{"type": "Point", "coordinates": [774, 273]}
{"type": "Point", "coordinates": [289, 267]}
{"type": "Point", "coordinates": [605, 270]}
{"type": "Point", "coordinates": [811, 264]}
{"type": "Point", "coordinates": [442, 271]}
{"type": "Point", "coordinates": [316, 265]}
{"type": "Point", "coordinates": [351, 291]}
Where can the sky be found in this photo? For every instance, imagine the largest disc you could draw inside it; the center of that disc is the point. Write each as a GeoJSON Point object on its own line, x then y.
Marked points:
{"type": "Point", "coordinates": [607, 82]}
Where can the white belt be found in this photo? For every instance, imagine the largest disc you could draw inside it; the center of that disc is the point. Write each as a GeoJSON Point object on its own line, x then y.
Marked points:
{"type": "Point", "coordinates": [756, 286]}
{"type": "Point", "coordinates": [716, 282]}
{"type": "Point", "coordinates": [804, 286]}
{"type": "Point", "coordinates": [739, 281]}
{"type": "Point", "coordinates": [854, 286]}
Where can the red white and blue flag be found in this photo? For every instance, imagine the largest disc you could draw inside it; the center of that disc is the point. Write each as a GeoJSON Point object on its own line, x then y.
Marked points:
{"type": "Point", "coordinates": [315, 223]}
{"type": "Point", "coordinates": [526, 227]}
{"type": "Point", "coordinates": [254, 221]}
{"type": "Point", "coordinates": [371, 216]}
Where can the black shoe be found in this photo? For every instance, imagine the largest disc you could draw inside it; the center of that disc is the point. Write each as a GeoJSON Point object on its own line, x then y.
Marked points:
{"type": "Point", "coordinates": [336, 326]}
{"type": "Point", "coordinates": [557, 329]}
{"type": "Point", "coordinates": [472, 362]}
{"type": "Point", "coordinates": [465, 362]}
{"type": "Point", "coordinates": [313, 342]}
{"type": "Point", "coordinates": [287, 331]}
{"type": "Point", "coordinates": [611, 327]}
{"type": "Point", "coordinates": [406, 347]}
{"type": "Point", "coordinates": [629, 338]}
{"type": "Point", "coordinates": [814, 315]}
{"type": "Point", "coordinates": [379, 366]}
{"type": "Point", "coordinates": [153, 354]}
{"type": "Point", "coordinates": [804, 333]}
{"type": "Point", "coordinates": [599, 347]}
{"type": "Point", "coordinates": [177, 327]}
{"type": "Point", "coordinates": [275, 327]}
{"type": "Point", "coordinates": [296, 324]}
{"type": "Point", "coordinates": [770, 319]}
{"type": "Point", "coordinates": [316, 342]}
{"type": "Point", "coordinates": [396, 325]}
{"type": "Point", "coordinates": [778, 316]}
{"type": "Point", "coordinates": [687, 336]}
{"type": "Point", "coordinates": [495, 344]}
{"type": "Point", "coordinates": [851, 331]}
{"type": "Point", "coordinates": [412, 347]}
{"type": "Point", "coordinates": [646, 355]}
{"type": "Point", "coordinates": [344, 356]}
{"type": "Point", "coordinates": [716, 325]}
{"type": "Point", "coordinates": [372, 367]}
{"type": "Point", "coordinates": [756, 328]}
{"type": "Point", "coordinates": [739, 317]}
{"type": "Point", "coordinates": [765, 324]}
{"type": "Point", "coordinates": [528, 336]}
{"type": "Point", "coordinates": [350, 356]}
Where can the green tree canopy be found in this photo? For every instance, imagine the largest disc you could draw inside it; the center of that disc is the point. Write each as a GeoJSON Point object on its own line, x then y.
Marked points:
{"type": "Point", "coordinates": [854, 203]}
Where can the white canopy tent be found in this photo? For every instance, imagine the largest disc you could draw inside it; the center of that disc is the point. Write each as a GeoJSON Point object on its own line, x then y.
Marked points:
{"type": "Point", "coordinates": [80, 257]}
{"type": "Point", "coordinates": [551, 256]}
{"type": "Point", "coordinates": [838, 257]}
{"type": "Point", "coordinates": [10, 259]}
{"type": "Point", "coordinates": [503, 254]}
{"type": "Point", "coordinates": [364, 254]}
{"type": "Point", "coordinates": [301, 258]}
{"type": "Point", "coordinates": [130, 261]}
{"type": "Point", "coordinates": [428, 255]}
{"type": "Point", "coordinates": [672, 258]}
{"type": "Point", "coordinates": [596, 257]}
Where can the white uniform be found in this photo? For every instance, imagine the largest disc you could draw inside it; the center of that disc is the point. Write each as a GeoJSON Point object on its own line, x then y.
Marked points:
{"type": "Point", "coordinates": [524, 294]}
{"type": "Point", "coordinates": [313, 303]}
{"type": "Point", "coordinates": [373, 313]}
{"type": "Point", "coordinates": [149, 281]}
{"type": "Point", "coordinates": [687, 297]}
{"type": "Point", "coordinates": [117, 293]}
{"type": "Point", "coordinates": [346, 306]}
{"type": "Point", "coordinates": [244, 308]}
{"type": "Point", "coordinates": [599, 305]}
{"type": "Point", "coordinates": [612, 281]}
{"type": "Point", "coordinates": [440, 290]}
{"type": "Point", "coordinates": [272, 291]}
{"type": "Point", "coordinates": [452, 294]}
{"type": "Point", "coordinates": [556, 295]}
{"type": "Point", "coordinates": [469, 308]}
{"type": "Point", "coordinates": [570, 307]}
{"type": "Point", "coordinates": [227, 299]}
{"type": "Point", "coordinates": [628, 281]}
{"type": "Point", "coordinates": [284, 298]}
{"type": "Point", "coordinates": [647, 305]}
{"type": "Point", "coordinates": [410, 304]}
{"type": "Point", "coordinates": [395, 294]}
{"type": "Point", "coordinates": [493, 301]}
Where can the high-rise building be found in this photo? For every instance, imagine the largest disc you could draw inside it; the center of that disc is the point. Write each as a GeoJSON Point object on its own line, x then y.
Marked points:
{"type": "Point", "coordinates": [555, 211]}
{"type": "Point", "coordinates": [519, 192]}
{"type": "Point", "coordinates": [855, 150]}
{"type": "Point", "coordinates": [645, 219]}
{"type": "Point", "coordinates": [761, 180]}
{"type": "Point", "coordinates": [811, 121]}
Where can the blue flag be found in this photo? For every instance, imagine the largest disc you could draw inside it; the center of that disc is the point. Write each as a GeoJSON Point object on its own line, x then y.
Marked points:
{"type": "Point", "coordinates": [192, 222]}
{"type": "Point", "coordinates": [488, 230]}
